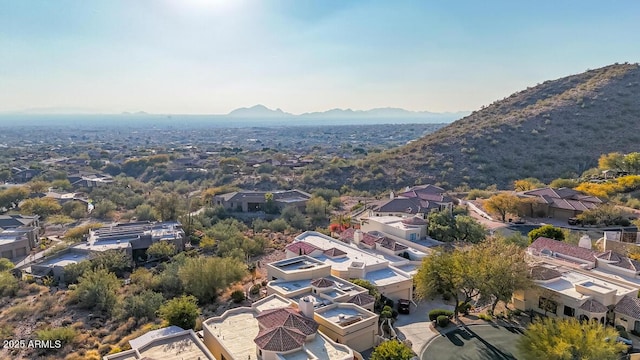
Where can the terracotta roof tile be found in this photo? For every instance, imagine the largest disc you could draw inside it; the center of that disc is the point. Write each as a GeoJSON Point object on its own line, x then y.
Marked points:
{"type": "Point", "coordinates": [347, 235]}
{"type": "Point", "coordinates": [302, 248]}
{"type": "Point", "coordinates": [323, 283]}
{"type": "Point", "coordinates": [287, 317]}
{"type": "Point", "coordinates": [593, 306]}
{"type": "Point", "coordinates": [630, 306]}
{"type": "Point", "coordinates": [333, 252]}
{"type": "Point", "coordinates": [280, 339]}
{"type": "Point", "coordinates": [543, 273]}
{"type": "Point", "coordinates": [362, 299]}
{"type": "Point", "coordinates": [559, 247]}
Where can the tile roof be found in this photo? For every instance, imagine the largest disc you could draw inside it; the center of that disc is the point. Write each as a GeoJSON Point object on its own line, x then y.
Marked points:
{"type": "Point", "coordinates": [630, 306]}
{"type": "Point", "coordinates": [369, 239]}
{"type": "Point", "coordinates": [390, 244]}
{"type": "Point", "coordinates": [347, 235]}
{"type": "Point", "coordinates": [620, 260]}
{"type": "Point", "coordinates": [287, 317]}
{"type": "Point", "coordinates": [302, 248]}
{"type": "Point", "coordinates": [593, 306]}
{"type": "Point", "coordinates": [280, 339]}
{"type": "Point", "coordinates": [400, 204]}
{"type": "Point", "coordinates": [559, 247]}
{"type": "Point", "coordinates": [323, 283]}
{"type": "Point", "coordinates": [564, 198]}
{"type": "Point", "coordinates": [543, 273]}
{"type": "Point", "coordinates": [362, 299]}
{"type": "Point", "coordinates": [333, 252]}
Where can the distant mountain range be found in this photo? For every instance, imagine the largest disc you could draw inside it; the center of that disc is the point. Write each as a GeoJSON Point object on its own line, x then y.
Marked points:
{"type": "Point", "coordinates": [261, 111]}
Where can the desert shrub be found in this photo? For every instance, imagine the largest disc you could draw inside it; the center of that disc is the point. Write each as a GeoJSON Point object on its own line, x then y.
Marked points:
{"type": "Point", "coordinates": [143, 305]}
{"type": "Point", "coordinates": [237, 296]}
{"type": "Point", "coordinates": [278, 225]}
{"type": "Point", "coordinates": [182, 311]}
{"type": "Point", "coordinates": [442, 320]}
{"type": "Point", "coordinates": [433, 314]}
{"type": "Point", "coordinates": [8, 284]}
{"type": "Point", "coordinates": [64, 334]}
{"type": "Point", "coordinates": [464, 307]}
{"type": "Point", "coordinates": [485, 317]}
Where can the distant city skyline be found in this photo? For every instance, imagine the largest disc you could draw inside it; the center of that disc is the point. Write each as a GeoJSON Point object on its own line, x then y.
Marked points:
{"type": "Point", "coordinates": [214, 56]}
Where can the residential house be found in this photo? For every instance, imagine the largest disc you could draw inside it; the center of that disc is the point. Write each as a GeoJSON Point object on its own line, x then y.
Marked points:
{"type": "Point", "coordinates": [270, 329]}
{"type": "Point", "coordinates": [418, 200]}
{"type": "Point", "coordinates": [170, 343]}
{"type": "Point", "coordinates": [55, 265]}
{"type": "Point", "coordinates": [573, 281]}
{"type": "Point", "coordinates": [83, 179]}
{"type": "Point", "coordinates": [134, 238]}
{"type": "Point", "coordinates": [562, 203]}
{"type": "Point", "coordinates": [24, 174]}
{"type": "Point", "coordinates": [390, 273]}
{"type": "Point", "coordinates": [343, 310]}
{"type": "Point", "coordinates": [250, 201]}
{"type": "Point", "coordinates": [18, 235]}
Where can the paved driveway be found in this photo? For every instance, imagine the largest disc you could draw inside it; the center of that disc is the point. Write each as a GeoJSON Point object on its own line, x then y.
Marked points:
{"type": "Point", "coordinates": [415, 326]}
{"type": "Point", "coordinates": [475, 342]}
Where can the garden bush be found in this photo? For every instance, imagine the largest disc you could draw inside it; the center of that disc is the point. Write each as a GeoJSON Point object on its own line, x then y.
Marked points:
{"type": "Point", "coordinates": [442, 320]}
{"type": "Point", "coordinates": [433, 314]}
{"type": "Point", "coordinates": [237, 296]}
{"type": "Point", "coordinates": [485, 317]}
{"type": "Point", "coordinates": [464, 307]}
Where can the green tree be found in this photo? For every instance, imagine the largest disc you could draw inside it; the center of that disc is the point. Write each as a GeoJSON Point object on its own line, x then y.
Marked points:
{"type": "Point", "coordinates": [373, 290]}
{"type": "Point", "coordinates": [502, 204]}
{"type": "Point", "coordinates": [548, 231]}
{"type": "Point", "coordinates": [444, 227]}
{"type": "Point", "coordinates": [502, 278]}
{"type": "Point", "coordinates": [568, 339]}
{"type": "Point", "coordinates": [73, 272]}
{"type": "Point", "coordinates": [316, 209]}
{"type": "Point", "coordinates": [441, 273]}
{"type": "Point", "coordinates": [611, 161]}
{"type": "Point", "coordinates": [145, 212]}
{"type": "Point", "coordinates": [13, 195]}
{"type": "Point", "coordinates": [6, 264]}
{"type": "Point", "coordinates": [61, 184]}
{"type": "Point", "coordinates": [75, 209]}
{"type": "Point", "coordinates": [631, 162]}
{"type": "Point", "coordinates": [42, 207]}
{"type": "Point", "coordinates": [392, 350]}
{"type": "Point", "coordinates": [5, 174]}
{"type": "Point", "coordinates": [161, 250]}
{"type": "Point", "coordinates": [38, 186]}
{"type": "Point", "coordinates": [563, 183]}
{"type": "Point", "coordinates": [104, 209]}
{"type": "Point", "coordinates": [527, 184]}
{"type": "Point", "coordinates": [182, 312]}
{"type": "Point", "coordinates": [204, 277]}
{"type": "Point", "coordinates": [269, 206]}
{"type": "Point", "coordinates": [8, 284]}
{"type": "Point", "coordinates": [115, 261]}
{"type": "Point", "coordinates": [144, 305]}
{"type": "Point", "coordinates": [97, 290]}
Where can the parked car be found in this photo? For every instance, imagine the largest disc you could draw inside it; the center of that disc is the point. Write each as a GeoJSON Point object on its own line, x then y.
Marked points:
{"type": "Point", "coordinates": [573, 221]}
{"type": "Point", "coordinates": [404, 306]}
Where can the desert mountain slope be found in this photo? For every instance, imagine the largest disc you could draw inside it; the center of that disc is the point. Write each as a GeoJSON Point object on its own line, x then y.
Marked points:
{"type": "Point", "coordinates": [557, 128]}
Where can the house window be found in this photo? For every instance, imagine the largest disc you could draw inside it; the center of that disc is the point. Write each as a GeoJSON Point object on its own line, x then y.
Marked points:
{"type": "Point", "coordinates": [548, 305]}
{"type": "Point", "coordinates": [412, 237]}
{"type": "Point", "coordinates": [569, 311]}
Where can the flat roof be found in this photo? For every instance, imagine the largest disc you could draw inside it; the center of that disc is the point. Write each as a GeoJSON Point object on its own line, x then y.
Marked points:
{"type": "Point", "coordinates": [236, 332]}
{"type": "Point", "coordinates": [341, 313]}
{"type": "Point", "coordinates": [295, 285]}
{"type": "Point", "coordinates": [566, 284]}
{"type": "Point", "coordinates": [297, 263]}
{"type": "Point", "coordinates": [384, 277]}
{"type": "Point", "coordinates": [320, 348]}
{"type": "Point", "coordinates": [353, 253]}
{"type": "Point", "coordinates": [395, 221]}
{"type": "Point", "coordinates": [64, 259]}
{"type": "Point", "coordinates": [180, 347]}
{"type": "Point", "coordinates": [103, 245]}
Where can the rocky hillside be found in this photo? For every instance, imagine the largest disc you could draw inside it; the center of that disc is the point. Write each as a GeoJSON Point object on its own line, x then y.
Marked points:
{"type": "Point", "coordinates": [555, 129]}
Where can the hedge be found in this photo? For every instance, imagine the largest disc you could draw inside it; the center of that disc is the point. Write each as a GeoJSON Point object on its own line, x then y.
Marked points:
{"type": "Point", "coordinates": [442, 320]}
{"type": "Point", "coordinates": [433, 314]}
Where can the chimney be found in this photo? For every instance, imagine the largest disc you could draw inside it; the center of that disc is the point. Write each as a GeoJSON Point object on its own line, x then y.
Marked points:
{"type": "Point", "coordinates": [305, 305]}
{"type": "Point", "coordinates": [392, 195]}
{"type": "Point", "coordinates": [357, 236]}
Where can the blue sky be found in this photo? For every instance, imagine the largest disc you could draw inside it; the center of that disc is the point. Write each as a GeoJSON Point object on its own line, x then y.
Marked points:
{"type": "Point", "coordinates": [211, 56]}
